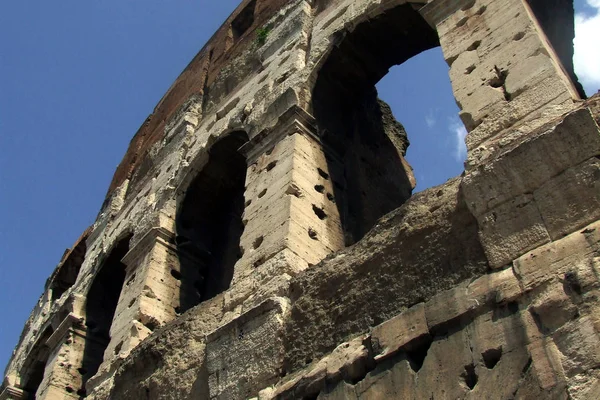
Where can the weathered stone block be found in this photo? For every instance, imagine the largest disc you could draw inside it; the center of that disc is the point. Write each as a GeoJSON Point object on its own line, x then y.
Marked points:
{"type": "Point", "coordinates": [246, 353]}
{"type": "Point", "coordinates": [573, 254]}
{"type": "Point", "coordinates": [511, 229]}
{"type": "Point", "coordinates": [523, 167]}
{"type": "Point", "coordinates": [395, 333]}
{"type": "Point", "coordinates": [571, 200]}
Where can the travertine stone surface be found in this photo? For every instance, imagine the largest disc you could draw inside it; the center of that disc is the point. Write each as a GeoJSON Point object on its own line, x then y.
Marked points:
{"type": "Point", "coordinates": [260, 238]}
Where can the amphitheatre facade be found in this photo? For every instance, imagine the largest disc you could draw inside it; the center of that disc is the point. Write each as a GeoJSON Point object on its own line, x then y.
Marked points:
{"type": "Point", "coordinates": [260, 238]}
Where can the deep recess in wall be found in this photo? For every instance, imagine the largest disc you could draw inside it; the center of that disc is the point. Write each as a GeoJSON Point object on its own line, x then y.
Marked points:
{"type": "Point", "coordinates": [365, 151]}
{"type": "Point", "coordinates": [100, 309]}
{"type": "Point", "coordinates": [209, 223]}
{"type": "Point", "coordinates": [33, 374]}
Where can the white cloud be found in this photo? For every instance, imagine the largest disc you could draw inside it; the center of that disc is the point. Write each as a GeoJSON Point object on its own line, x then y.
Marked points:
{"type": "Point", "coordinates": [430, 119]}
{"type": "Point", "coordinates": [460, 133]}
{"type": "Point", "coordinates": [587, 48]}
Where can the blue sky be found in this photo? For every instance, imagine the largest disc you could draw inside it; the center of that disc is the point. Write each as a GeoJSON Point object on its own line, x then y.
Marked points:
{"type": "Point", "coordinates": [78, 78]}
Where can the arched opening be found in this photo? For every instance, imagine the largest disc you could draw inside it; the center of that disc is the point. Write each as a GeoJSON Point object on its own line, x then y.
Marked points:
{"type": "Point", "coordinates": [209, 224]}
{"type": "Point", "coordinates": [365, 146]}
{"type": "Point", "coordinates": [437, 150]}
{"type": "Point", "coordinates": [68, 269]}
{"type": "Point", "coordinates": [100, 307]}
{"type": "Point", "coordinates": [34, 369]}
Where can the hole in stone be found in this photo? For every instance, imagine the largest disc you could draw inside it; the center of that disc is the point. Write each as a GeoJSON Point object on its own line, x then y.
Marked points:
{"type": "Point", "coordinates": [130, 281]}
{"type": "Point", "coordinates": [271, 165]}
{"type": "Point", "coordinates": [323, 174]}
{"type": "Point", "coordinates": [491, 357]}
{"type": "Point", "coordinates": [319, 212]}
{"type": "Point", "coordinates": [151, 324]}
{"type": "Point", "coordinates": [118, 348]}
{"type": "Point", "coordinates": [468, 6]}
{"type": "Point", "coordinates": [270, 151]}
{"type": "Point", "coordinates": [131, 303]}
{"type": "Point", "coordinates": [482, 10]}
{"type": "Point", "coordinates": [571, 283]}
{"type": "Point", "coordinates": [258, 262]}
{"type": "Point", "coordinates": [469, 69]}
{"type": "Point", "coordinates": [320, 188]}
{"type": "Point", "coordinates": [331, 197]}
{"type": "Point", "coordinates": [294, 191]}
{"type": "Point", "coordinates": [69, 389]}
{"type": "Point", "coordinates": [519, 36]}
{"type": "Point", "coordinates": [257, 242]}
{"type": "Point", "coordinates": [177, 310]}
{"type": "Point", "coordinates": [308, 361]}
{"type": "Point", "coordinates": [462, 21]}
{"type": "Point", "coordinates": [261, 194]}
{"type": "Point", "coordinates": [248, 202]}
{"type": "Point", "coordinates": [470, 376]}
{"type": "Point", "coordinates": [474, 46]}
{"type": "Point", "coordinates": [416, 356]}
{"type": "Point", "coordinates": [176, 274]}
{"type": "Point", "coordinates": [312, 234]}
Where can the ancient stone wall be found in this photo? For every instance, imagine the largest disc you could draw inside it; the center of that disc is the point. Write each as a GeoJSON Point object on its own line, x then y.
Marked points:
{"type": "Point", "coordinates": [259, 238]}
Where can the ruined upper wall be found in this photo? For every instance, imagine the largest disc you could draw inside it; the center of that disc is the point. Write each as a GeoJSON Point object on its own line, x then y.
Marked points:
{"type": "Point", "coordinates": [196, 81]}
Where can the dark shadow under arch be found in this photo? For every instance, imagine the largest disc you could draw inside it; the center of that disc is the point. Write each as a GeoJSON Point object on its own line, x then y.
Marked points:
{"type": "Point", "coordinates": [33, 371]}
{"type": "Point", "coordinates": [209, 223]}
{"type": "Point", "coordinates": [363, 142]}
{"type": "Point", "coordinates": [100, 307]}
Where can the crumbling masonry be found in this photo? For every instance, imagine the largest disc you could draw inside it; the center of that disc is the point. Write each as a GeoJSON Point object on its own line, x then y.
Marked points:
{"type": "Point", "coordinates": [259, 238]}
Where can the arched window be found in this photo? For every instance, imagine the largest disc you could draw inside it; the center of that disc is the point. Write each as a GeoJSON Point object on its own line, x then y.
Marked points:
{"type": "Point", "coordinates": [364, 144]}
{"type": "Point", "coordinates": [209, 224]}
{"type": "Point", "coordinates": [100, 307]}
{"type": "Point", "coordinates": [66, 274]}
{"type": "Point", "coordinates": [34, 369]}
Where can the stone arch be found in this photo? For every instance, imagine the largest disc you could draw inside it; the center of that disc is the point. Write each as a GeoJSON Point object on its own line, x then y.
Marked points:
{"type": "Point", "coordinates": [364, 144]}
{"type": "Point", "coordinates": [209, 223]}
{"type": "Point", "coordinates": [100, 306]}
{"type": "Point", "coordinates": [68, 270]}
{"type": "Point", "coordinates": [33, 371]}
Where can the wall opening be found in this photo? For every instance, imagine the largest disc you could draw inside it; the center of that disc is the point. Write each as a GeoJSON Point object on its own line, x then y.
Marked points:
{"type": "Point", "coordinates": [68, 270]}
{"type": "Point", "coordinates": [209, 223]}
{"type": "Point", "coordinates": [34, 369]}
{"type": "Point", "coordinates": [364, 144]}
{"type": "Point", "coordinates": [557, 20]}
{"type": "Point", "coordinates": [100, 307]}
{"type": "Point", "coordinates": [420, 95]}
{"type": "Point", "coordinates": [243, 21]}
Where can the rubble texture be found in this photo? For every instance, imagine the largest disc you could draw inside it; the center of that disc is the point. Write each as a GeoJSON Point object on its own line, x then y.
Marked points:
{"type": "Point", "coordinates": [260, 239]}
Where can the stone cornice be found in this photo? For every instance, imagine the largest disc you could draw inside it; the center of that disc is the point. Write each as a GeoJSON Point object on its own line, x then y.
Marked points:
{"type": "Point", "coordinates": [13, 393]}
{"type": "Point", "coordinates": [62, 330]}
{"type": "Point", "coordinates": [294, 120]}
{"type": "Point", "coordinates": [154, 235]}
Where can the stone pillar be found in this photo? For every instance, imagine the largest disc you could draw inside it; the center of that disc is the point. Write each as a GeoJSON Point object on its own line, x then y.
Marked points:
{"type": "Point", "coordinates": [291, 220]}
{"type": "Point", "coordinates": [504, 73]}
{"type": "Point", "coordinates": [63, 377]}
{"type": "Point", "coordinates": [150, 294]}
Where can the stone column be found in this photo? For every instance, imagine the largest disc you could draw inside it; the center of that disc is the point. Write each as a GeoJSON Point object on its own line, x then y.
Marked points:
{"type": "Point", "coordinates": [504, 73]}
{"type": "Point", "coordinates": [150, 294]}
{"type": "Point", "coordinates": [62, 376]}
{"type": "Point", "coordinates": [291, 220]}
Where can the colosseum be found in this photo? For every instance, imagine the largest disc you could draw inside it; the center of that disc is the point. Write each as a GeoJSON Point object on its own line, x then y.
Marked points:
{"type": "Point", "coordinates": [260, 239]}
